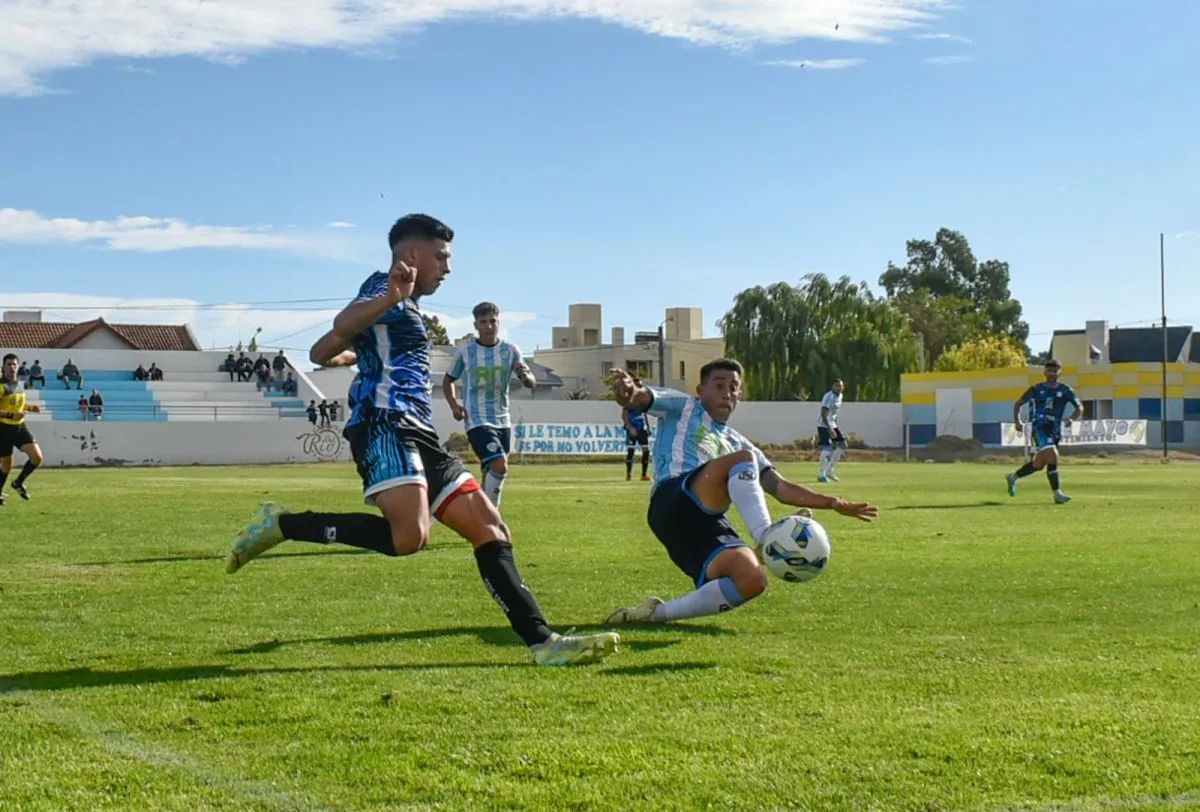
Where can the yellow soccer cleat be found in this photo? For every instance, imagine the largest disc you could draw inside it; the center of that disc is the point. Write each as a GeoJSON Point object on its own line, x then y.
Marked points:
{"type": "Point", "coordinates": [256, 538]}
{"type": "Point", "coordinates": [564, 650]}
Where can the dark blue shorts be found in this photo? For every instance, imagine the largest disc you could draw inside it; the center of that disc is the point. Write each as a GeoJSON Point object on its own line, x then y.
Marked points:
{"type": "Point", "coordinates": [391, 450]}
{"type": "Point", "coordinates": [693, 536]}
{"type": "Point", "coordinates": [827, 438]}
{"type": "Point", "coordinates": [489, 442]}
{"type": "Point", "coordinates": [642, 438]}
{"type": "Point", "coordinates": [1046, 435]}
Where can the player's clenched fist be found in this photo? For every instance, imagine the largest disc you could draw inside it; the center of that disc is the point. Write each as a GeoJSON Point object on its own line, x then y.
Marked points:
{"type": "Point", "coordinates": [402, 278]}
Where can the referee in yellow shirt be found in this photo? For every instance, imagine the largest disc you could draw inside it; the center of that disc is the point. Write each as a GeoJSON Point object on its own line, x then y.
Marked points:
{"type": "Point", "coordinates": [14, 433]}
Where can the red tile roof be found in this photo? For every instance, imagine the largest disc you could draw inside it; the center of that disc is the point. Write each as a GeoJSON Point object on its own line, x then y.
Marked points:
{"type": "Point", "coordinates": [60, 335]}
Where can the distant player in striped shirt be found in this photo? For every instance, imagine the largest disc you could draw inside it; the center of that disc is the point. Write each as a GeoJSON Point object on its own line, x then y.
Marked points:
{"type": "Point", "coordinates": [702, 468]}
{"type": "Point", "coordinates": [485, 367]}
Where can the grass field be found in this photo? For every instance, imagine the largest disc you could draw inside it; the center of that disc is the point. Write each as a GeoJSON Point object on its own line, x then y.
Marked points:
{"type": "Point", "coordinates": [966, 651]}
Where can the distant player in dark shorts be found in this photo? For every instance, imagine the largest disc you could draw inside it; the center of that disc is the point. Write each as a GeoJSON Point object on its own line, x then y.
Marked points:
{"type": "Point", "coordinates": [1048, 403]}
{"type": "Point", "coordinates": [702, 467]}
{"type": "Point", "coordinates": [14, 432]}
{"type": "Point", "coordinates": [405, 472]}
{"type": "Point", "coordinates": [637, 433]}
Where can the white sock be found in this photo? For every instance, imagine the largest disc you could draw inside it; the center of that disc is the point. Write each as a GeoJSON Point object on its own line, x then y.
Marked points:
{"type": "Point", "coordinates": [824, 461]}
{"type": "Point", "coordinates": [838, 451]}
{"type": "Point", "coordinates": [746, 493]}
{"type": "Point", "coordinates": [493, 483]}
{"type": "Point", "coordinates": [711, 599]}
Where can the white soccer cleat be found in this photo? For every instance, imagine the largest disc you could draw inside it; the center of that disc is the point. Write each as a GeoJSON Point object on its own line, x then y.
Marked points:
{"type": "Point", "coordinates": [564, 650]}
{"type": "Point", "coordinates": [256, 538]}
{"type": "Point", "coordinates": [642, 613]}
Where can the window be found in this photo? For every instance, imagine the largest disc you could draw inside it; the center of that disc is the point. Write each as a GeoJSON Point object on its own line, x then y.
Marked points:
{"type": "Point", "coordinates": [638, 369]}
{"type": "Point", "coordinates": [682, 371]}
{"type": "Point", "coordinates": [606, 368]}
{"type": "Point", "coordinates": [1097, 410]}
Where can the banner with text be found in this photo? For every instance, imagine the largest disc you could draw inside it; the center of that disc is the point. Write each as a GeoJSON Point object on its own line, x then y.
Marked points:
{"type": "Point", "coordinates": [1083, 432]}
{"type": "Point", "coordinates": [568, 438]}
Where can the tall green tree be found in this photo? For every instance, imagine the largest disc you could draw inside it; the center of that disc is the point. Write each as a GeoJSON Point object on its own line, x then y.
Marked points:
{"type": "Point", "coordinates": [434, 329]}
{"type": "Point", "coordinates": [794, 340]}
{"type": "Point", "coordinates": [951, 297]}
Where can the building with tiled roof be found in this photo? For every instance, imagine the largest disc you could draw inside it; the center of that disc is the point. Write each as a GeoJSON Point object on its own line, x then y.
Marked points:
{"type": "Point", "coordinates": [25, 331]}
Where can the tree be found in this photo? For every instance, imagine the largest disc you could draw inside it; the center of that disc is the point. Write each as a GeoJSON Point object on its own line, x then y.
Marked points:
{"type": "Point", "coordinates": [989, 352]}
{"type": "Point", "coordinates": [950, 297]}
{"type": "Point", "coordinates": [436, 332]}
{"type": "Point", "coordinates": [794, 340]}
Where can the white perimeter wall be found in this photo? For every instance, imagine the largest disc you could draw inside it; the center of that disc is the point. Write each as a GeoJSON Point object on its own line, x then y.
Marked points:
{"type": "Point", "coordinates": [229, 442]}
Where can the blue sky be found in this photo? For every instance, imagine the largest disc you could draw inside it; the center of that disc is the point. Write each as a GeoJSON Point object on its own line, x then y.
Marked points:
{"type": "Point", "coordinates": [604, 152]}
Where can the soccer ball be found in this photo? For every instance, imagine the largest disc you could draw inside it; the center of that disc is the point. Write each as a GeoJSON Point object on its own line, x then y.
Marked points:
{"type": "Point", "coordinates": [795, 549]}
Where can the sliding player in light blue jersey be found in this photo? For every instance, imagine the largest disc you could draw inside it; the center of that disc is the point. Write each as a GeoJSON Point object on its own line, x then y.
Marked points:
{"type": "Point", "coordinates": [701, 468]}
{"type": "Point", "coordinates": [485, 368]}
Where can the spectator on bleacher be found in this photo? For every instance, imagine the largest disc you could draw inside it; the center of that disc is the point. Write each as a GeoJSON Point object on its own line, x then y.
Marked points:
{"type": "Point", "coordinates": [22, 372]}
{"type": "Point", "coordinates": [83, 405]}
{"type": "Point", "coordinates": [312, 412]}
{"type": "Point", "coordinates": [155, 371]}
{"type": "Point", "coordinates": [244, 367]}
{"type": "Point", "coordinates": [36, 374]}
{"type": "Point", "coordinates": [96, 405]}
{"type": "Point", "coordinates": [229, 365]}
{"type": "Point", "coordinates": [140, 374]}
{"type": "Point", "coordinates": [290, 386]}
{"type": "Point", "coordinates": [279, 364]}
{"type": "Point", "coordinates": [69, 373]}
{"type": "Point", "coordinates": [262, 369]}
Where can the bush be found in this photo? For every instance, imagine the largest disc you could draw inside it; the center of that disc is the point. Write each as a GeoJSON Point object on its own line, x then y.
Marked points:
{"type": "Point", "coordinates": [457, 443]}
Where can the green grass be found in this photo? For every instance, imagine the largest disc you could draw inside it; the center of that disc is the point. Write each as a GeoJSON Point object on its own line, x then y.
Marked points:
{"type": "Point", "coordinates": [966, 651]}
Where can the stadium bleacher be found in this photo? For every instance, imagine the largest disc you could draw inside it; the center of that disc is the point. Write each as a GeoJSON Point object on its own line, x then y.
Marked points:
{"type": "Point", "coordinates": [195, 396]}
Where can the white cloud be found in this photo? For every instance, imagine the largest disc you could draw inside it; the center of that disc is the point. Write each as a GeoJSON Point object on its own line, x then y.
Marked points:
{"type": "Point", "coordinates": [342, 224]}
{"type": "Point", "coordinates": [222, 325]}
{"type": "Point", "coordinates": [152, 234]}
{"type": "Point", "coordinates": [135, 69]}
{"type": "Point", "coordinates": [816, 64]}
{"type": "Point", "coordinates": [43, 36]}
{"type": "Point", "coordinates": [952, 59]}
{"type": "Point", "coordinates": [945, 38]}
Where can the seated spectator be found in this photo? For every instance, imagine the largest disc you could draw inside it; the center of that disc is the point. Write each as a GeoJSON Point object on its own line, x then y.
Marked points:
{"type": "Point", "coordinates": [291, 386]}
{"type": "Point", "coordinates": [278, 364]}
{"type": "Point", "coordinates": [244, 367]}
{"type": "Point", "coordinates": [229, 365]}
{"type": "Point", "coordinates": [36, 374]}
{"type": "Point", "coordinates": [262, 369]}
{"type": "Point", "coordinates": [23, 372]}
{"type": "Point", "coordinates": [69, 373]}
{"type": "Point", "coordinates": [96, 405]}
{"type": "Point", "coordinates": [140, 374]}
{"type": "Point", "coordinates": [155, 371]}
{"type": "Point", "coordinates": [83, 405]}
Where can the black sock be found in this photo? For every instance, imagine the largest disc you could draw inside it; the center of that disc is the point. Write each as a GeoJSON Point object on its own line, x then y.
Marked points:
{"type": "Point", "coordinates": [28, 468]}
{"type": "Point", "coordinates": [500, 576]}
{"type": "Point", "coordinates": [629, 462]}
{"type": "Point", "coordinates": [1025, 470]}
{"type": "Point", "coordinates": [353, 529]}
{"type": "Point", "coordinates": [645, 461]}
{"type": "Point", "coordinates": [1052, 475]}
{"type": "Point", "coordinates": [3, 479]}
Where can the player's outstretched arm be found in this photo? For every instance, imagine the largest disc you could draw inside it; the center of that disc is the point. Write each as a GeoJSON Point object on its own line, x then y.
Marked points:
{"type": "Point", "coordinates": [366, 310]}
{"type": "Point", "coordinates": [332, 351]}
{"type": "Point", "coordinates": [627, 393]}
{"type": "Point", "coordinates": [799, 496]}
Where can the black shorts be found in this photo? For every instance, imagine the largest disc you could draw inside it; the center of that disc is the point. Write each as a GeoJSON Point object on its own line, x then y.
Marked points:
{"type": "Point", "coordinates": [642, 438]}
{"type": "Point", "coordinates": [1045, 435]}
{"type": "Point", "coordinates": [691, 534]}
{"type": "Point", "coordinates": [489, 442]}
{"type": "Point", "coordinates": [827, 438]}
{"type": "Point", "coordinates": [391, 450]}
{"type": "Point", "coordinates": [14, 437]}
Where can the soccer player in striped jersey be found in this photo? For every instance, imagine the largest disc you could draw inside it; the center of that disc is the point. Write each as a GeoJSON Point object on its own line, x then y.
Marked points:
{"type": "Point", "coordinates": [702, 467]}
{"type": "Point", "coordinates": [485, 367]}
{"type": "Point", "coordinates": [405, 472]}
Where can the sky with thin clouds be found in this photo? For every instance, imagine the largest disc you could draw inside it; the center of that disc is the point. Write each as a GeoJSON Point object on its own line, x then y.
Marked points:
{"type": "Point", "coordinates": [242, 172]}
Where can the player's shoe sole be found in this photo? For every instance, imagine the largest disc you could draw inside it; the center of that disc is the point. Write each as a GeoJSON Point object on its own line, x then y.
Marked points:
{"type": "Point", "coordinates": [256, 538]}
{"type": "Point", "coordinates": [642, 613]}
{"type": "Point", "coordinates": [1012, 484]}
{"type": "Point", "coordinates": [565, 650]}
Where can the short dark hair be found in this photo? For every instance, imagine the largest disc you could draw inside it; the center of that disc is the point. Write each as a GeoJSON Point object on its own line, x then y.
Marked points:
{"type": "Point", "coordinates": [725, 364]}
{"type": "Point", "coordinates": [12, 356]}
{"type": "Point", "coordinates": [419, 227]}
{"type": "Point", "coordinates": [1052, 364]}
{"type": "Point", "coordinates": [485, 309]}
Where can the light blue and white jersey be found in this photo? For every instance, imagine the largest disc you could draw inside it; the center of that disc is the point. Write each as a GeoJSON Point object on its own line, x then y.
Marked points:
{"type": "Point", "coordinates": [485, 374]}
{"type": "Point", "coordinates": [833, 402]}
{"type": "Point", "coordinates": [688, 437]}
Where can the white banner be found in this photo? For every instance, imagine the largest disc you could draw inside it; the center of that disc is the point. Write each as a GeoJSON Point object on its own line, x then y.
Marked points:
{"type": "Point", "coordinates": [1083, 432]}
{"type": "Point", "coordinates": [568, 438]}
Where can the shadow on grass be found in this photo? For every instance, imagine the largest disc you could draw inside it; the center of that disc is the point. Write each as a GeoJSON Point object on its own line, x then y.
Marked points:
{"type": "Point", "coordinates": [492, 635]}
{"type": "Point", "coordinates": [655, 668]}
{"type": "Point", "coordinates": [965, 505]}
{"type": "Point", "coordinates": [220, 556]}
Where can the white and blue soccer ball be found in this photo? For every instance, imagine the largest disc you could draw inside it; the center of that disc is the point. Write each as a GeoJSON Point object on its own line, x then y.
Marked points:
{"type": "Point", "coordinates": [795, 549]}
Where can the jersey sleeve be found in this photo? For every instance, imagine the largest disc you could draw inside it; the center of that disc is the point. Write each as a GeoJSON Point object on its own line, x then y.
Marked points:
{"type": "Point", "coordinates": [376, 286]}
{"type": "Point", "coordinates": [459, 363]}
{"type": "Point", "coordinates": [518, 360]}
{"type": "Point", "coordinates": [1027, 396]}
{"type": "Point", "coordinates": [759, 457]}
{"type": "Point", "coordinates": [666, 401]}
